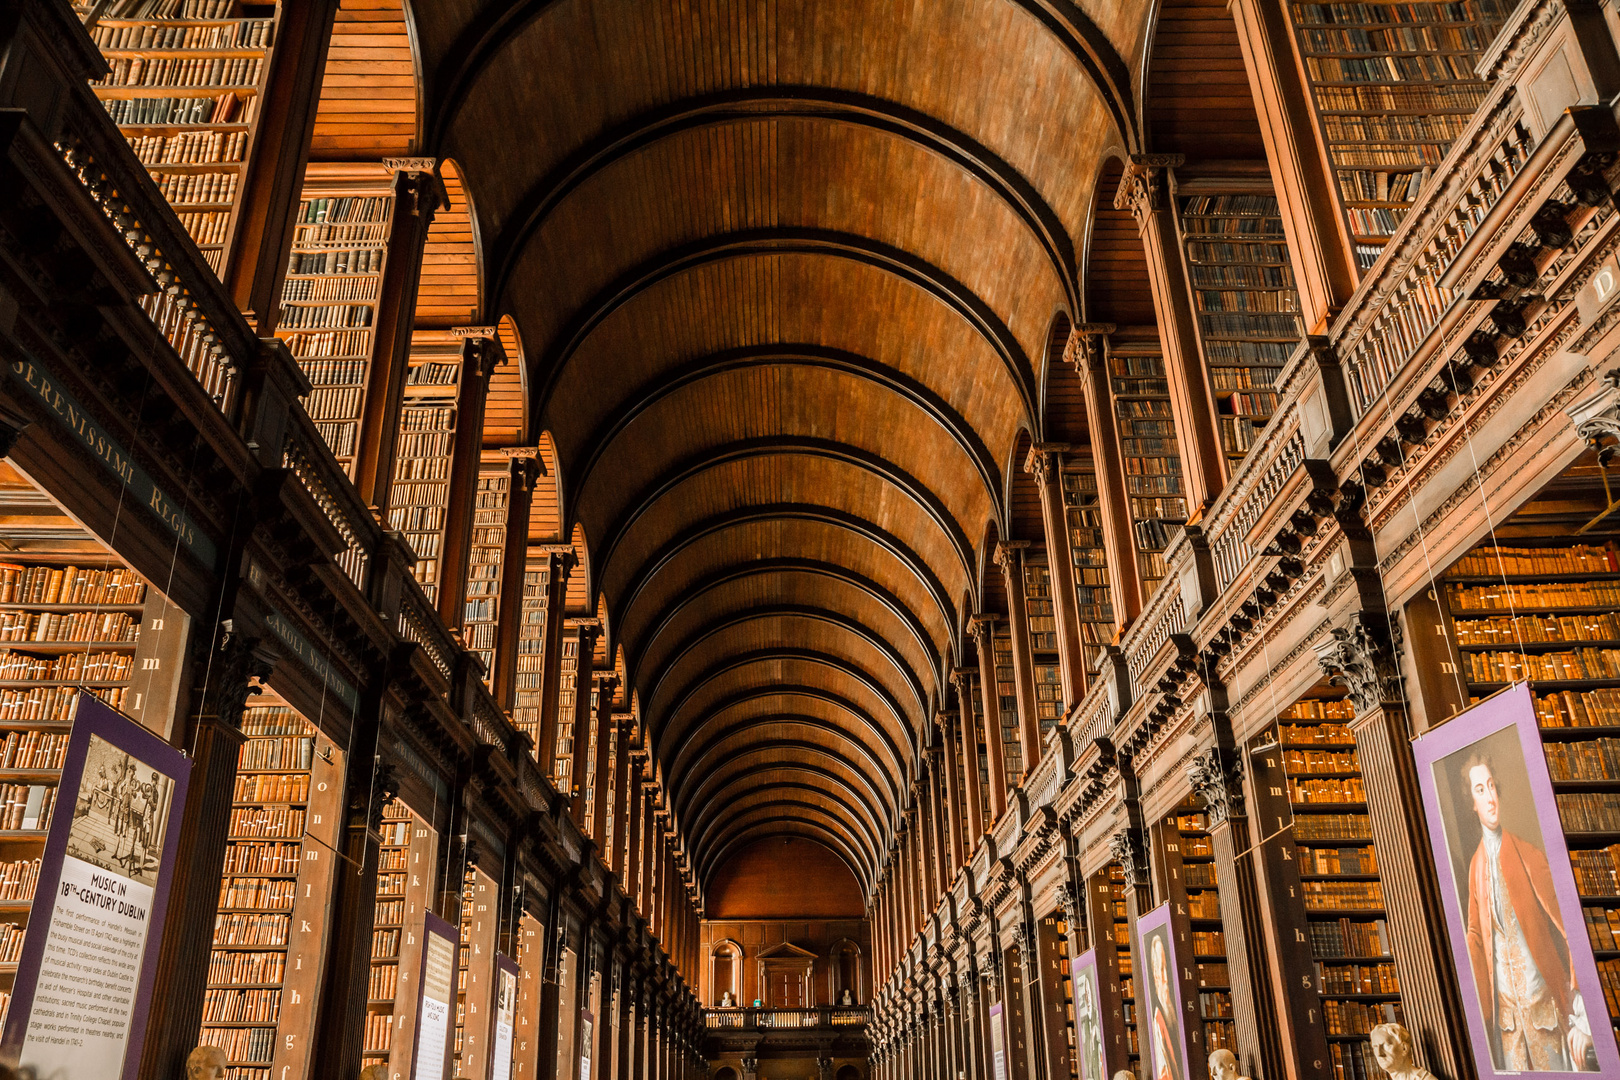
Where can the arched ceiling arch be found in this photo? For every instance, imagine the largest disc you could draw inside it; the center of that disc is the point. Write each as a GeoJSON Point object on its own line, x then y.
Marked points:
{"type": "Point", "coordinates": [785, 275]}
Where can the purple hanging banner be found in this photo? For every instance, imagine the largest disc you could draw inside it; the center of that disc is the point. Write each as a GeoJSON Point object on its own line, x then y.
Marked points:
{"type": "Point", "coordinates": [84, 980]}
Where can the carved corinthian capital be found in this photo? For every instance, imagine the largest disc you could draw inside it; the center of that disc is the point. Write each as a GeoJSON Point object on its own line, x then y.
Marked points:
{"type": "Point", "coordinates": [1364, 658]}
{"type": "Point", "coordinates": [1141, 188]}
{"type": "Point", "coordinates": [1597, 418]}
{"type": "Point", "coordinates": [1126, 848]}
{"type": "Point", "coordinates": [1217, 777]}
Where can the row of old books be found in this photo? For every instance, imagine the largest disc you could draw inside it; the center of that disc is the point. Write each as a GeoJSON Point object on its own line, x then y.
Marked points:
{"type": "Point", "coordinates": [1507, 631]}
{"type": "Point", "coordinates": [1343, 938]}
{"type": "Point", "coordinates": [189, 148]}
{"type": "Point", "coordinates": [26, 806]}
{"type": "Point", "coordinates": [1539, 597]}
{"type": "Point", "coordinates": [1597, 870]}
{"type": "Point", "coordinates": [286, 752]}
{"type": "Point", "coordinates": [1598, 759]}
{"type": "Point", "coordinates": [266, 894]}
{"type": "Point", "coordinates": [239, 34]}
{"type": "Point", "coordinates": [1497, 560]}
{"type": "Point", "coordinates": [1320, 761]}
{"type": "Point", "coordinates": [1357, 978]}
{"type": "Point", "coordinates": [1590, 811]}
{"type": "Point", "coordinates": [1340, 790]}
{"type": "Point", "coordinates": [227, 108]}
{"type": "Point", "coordinates": [53, 626]}
{"type": "Point", "coordinates": [272, 788]}
{"type": "Point", "coordinates": [51, 704]}
{"type": "Point", "coordinates": [270, 857]}
{"type": "Point", "coordinates": [251, 928]}
{"type": "Point", "coordinates": [175, 71]}
{"type": "Point", "coordinates": [1345, 860]}
{"type": "Point", "coordinates": [1497, 667]}
{"type": "Point", "coordinates": [1348, 895]}
{"type": "Point", "coordinates": [33, 749]}
{"type": "Point", "coordinates": [223, 1005]}
{"type": "Point", "coordinates": [231, 966]}
{"type": "Point", "coordinates": [69, 585]}
{"type": "Point", "coordinates": [1603, 927]}
{"type": "Point", "coordinates": [18, 878]}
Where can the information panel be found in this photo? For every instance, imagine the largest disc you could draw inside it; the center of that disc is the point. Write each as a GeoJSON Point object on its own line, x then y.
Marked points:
{"type": "Point", "coordinates": [84, 984]}
{"type": "Point", "coordinates": [506, 989]}
{"type": "Point", "coordinates": [436, 1015]}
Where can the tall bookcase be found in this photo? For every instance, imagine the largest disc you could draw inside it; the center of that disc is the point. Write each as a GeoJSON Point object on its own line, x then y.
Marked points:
{"type": "Point", "coordinates": [1243, 287]}
{"type": "Point", "coordinates": [405, 871]}
{"type": "Point", "coordinates": [186, 81]}
{"type": "Point", "coordinates": [419, 499]}
{"type": "Point", "coordinates": [531, 650]}
{"type": "Point", "coordinates": [260, 1005]}
{"type": "Point", "coordinates": [1394, 86]}
{"type": "Point", "coordinates": [567, 688]}
{"type": "Point", "coordinates": [1547, 611]}
{"type": "Point", "coordinates": [1043, 645]}
{"type": "Point", "coordinates": [1340, 908]}
{"type": "Point", "coordinates": [329, 299]}
{"type": "Point", "coordinates": [1082, 513]}
{"type": "Point", "coordinates": [476, 974]}
{"type": "Point", "coordinates": [1152, 455]}
{"type": "Point", "coordinates": [980, 757]}
{"type": "Point", "coordinates": [1187, 828]}
{"type": "Point", "coordinates": [1012, 751]}
{"type": "Point", "coordinates": [1122, 943]}
{"type": "Point", "coordinates": [483, 607]}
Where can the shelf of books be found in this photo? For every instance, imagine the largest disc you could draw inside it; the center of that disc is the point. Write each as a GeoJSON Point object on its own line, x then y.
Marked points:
{"type": "Point", "coordinates": [1341, 903]}
{"type": "Point", "coordinates": [1043, 644]}
{"type": "Point", "coordinates": [1243, 288]}
{"type": "Point", "coordinates": [1122, 946]}
{"type": "Point", "coordinates": [531, 650]}
{"type": "Point", "coordinates": [1548, 612]}
{"type": "Point", "coordinates": [1394, 86]}
{"type": "Point", "coordinates": [329, 299]}
{"type": "Point", "coordinates": [406, 864]}
{"type": "Point", "coordinates": [1141, 393]}
{"type": "Point", "coordinates": [978, 754]}
{"type": "Point", "coordinates": [585, 767]}
{"type": "Point", "coordinates": [1198, 892]}
{"type": "Point", "coordinates": [73, 619]}
{"type": "Point", "coordinates": [483, 605]}
{"type": "Point", "coordinates": [1055, 957]}
{"type": "Point", "coordinates": [277, 875]}
{"type": "Point", "coordinates": [567, 678]}
{"type": "Point", "coordinates": [1012, 753]}
{"type": "Point", "coordinates": [186, 81]}
{"type": "Point", "coordinates": [419, 499]}
{"type": "Point", "coordinates": [1082, 511]}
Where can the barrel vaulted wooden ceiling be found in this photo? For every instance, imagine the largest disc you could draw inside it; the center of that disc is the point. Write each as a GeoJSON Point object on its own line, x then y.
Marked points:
{"type": "Point", "coordinates": [786, 277]}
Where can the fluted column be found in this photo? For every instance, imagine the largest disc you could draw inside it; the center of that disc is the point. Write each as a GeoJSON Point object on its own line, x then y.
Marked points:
{"type": "Point", "coordinates": [1088, 352]}
{"type": "Point", "coordinates": [560, 563]}
{"type": "Point", "coordinates": [1045, 464]}
{"type": "Point", "coordinates": [526, 473]}
{"type": "Point", "coordinates": [601, 771]}
{"type": "Point", "coordinates": [1203, 461]}
{"type": "Point", "coordinates": [983, 627]}
{"type": "Point", "coordinates": [973, 795]}
{"type": "Point", "coordinates": [953, 761]}
{"type": "Point", "coordinates": [1010, 557]}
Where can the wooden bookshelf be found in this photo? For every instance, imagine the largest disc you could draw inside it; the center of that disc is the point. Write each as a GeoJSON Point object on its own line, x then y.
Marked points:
{"type": "Point", "coordinates": [1393, 86]}
{"type": "Point", "coordinates": [419, 500]}
{"type": "Point", "coordinates": [185, 86]}
{"type": "Point", "coordinates": [531, 650]}
{"type": "Point", "coordinates": [278, 873]}
{"type": "Point", "coordinates": [1056, 955]}
{"type": "Point", "coordinates": [1340, 903]}
{"type": "Point", "coordinates": [1196, 890]}
{"type": "Point", "coordinates": [1012, 750]}
{"type": "Point", "coordinates": [483, 606]}
{"type": "Point", "coordinates": [980, 758]}
{"type": "Point", "coordinates": [1547, 611]}
{"type": "Point", "coordinates": [1082, 511]}
{"type": "Point", "coordinates": [567, 680]}
{"type": "Point", "coordinates": [1043, 644]}
{"type": "Point", "coordinates": [1243, 289]}
{"type": "Point", "coordinates": [405, 881]}
{"type": "Point", "coordinates": [1122, 946]}
{"type": "Point", "coordinates": [329, 299]}
{"type": "Point", "coordinates": [476, 976]}
{"type": "Point", "coordinates": [1152, 455]}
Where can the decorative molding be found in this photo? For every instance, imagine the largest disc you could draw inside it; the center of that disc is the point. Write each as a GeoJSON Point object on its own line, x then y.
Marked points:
{"type": "Point", "coordinates": [1216, 776]}
{"type": "Point", "coordinates": [1125, 846]}
{"type": "Point", "coordinates": [1364, 657]}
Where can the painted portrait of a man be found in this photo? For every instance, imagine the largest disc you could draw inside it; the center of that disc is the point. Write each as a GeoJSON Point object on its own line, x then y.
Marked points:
{"type": "Point", "coordinates": [1516, 941]}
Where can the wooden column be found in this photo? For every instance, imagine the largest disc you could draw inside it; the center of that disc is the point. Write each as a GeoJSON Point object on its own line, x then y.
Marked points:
{"type": "Point", "coordinates": [1319, 244]}
{"type": "Point", "coordinates": [369, 783]}
{"type": "Point", "coordinates": [1363, 656]}
{"type": "Point", "coordinates": [479, 355]}
{"type": "Point", "coordinates": [962, 679]}
{"type": "Point", "coordinates": [1217, 777]}
{"type": "Point", "coordinates": [417, 194]}
{"type": "Point", "coordinates": [588, 631]}
{"type": "Point", "coordinates": [1098, 905]}
{"type": "Point", "coordinates": [953, 791]}
{"type": "Point", "coordinates": [1045, 464]}
{"type": "Point", "coordinates": [1010, 557]}
{"type": "Point", "coordinates": [225, 664]}
{"type": "Point", "coordinates": [1049, 969]}
{"type": "Point", "coordinates": [618, 797]}
{"type": "Point", "coordinates": [601, 776]}
{"type": "Point", "coordinates": [1203, 461]}
{"type": "Point", "coordinates": [526, 472]}
{"type": "Point", "coordinates": [1030, 1003]}
{"type": "Point", "coordinates": [928, 810]}
{"type": "Point", "coordinates": [561, 560]}
{"type": "Point", "coordinates": [1088, 352]}
{"type": "Point", "coordinates": [649, 848]}
{"type": "Point", "coordinates": [629, 877]}
{"type": "Point", "coordinates": [983, 628]}
{"type": "Point", "coordinates": [256, 265]}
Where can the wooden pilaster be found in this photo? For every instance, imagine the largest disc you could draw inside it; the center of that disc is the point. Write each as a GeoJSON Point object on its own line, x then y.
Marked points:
{"type": "Point", "coordinates": [526, 472]}
{"type": "Point", "coordinates": [1088, 352]}
{"type": "Point", "coordinates": [1010, 557]}
{"type": "Point", "coordinates": [967, 730]}
{"type": "Point", "coordinates": [1045, 464]}
{"type": "Point", "coordinates": [983, 628]}
{"type": "Point", "coordinates": [954, 757]}
{"type": "Point", "coordinates": [479, 356]}
{"type": "Point", "coordinates": [601, 743]}
{"type": "Point", "coordinates": [561, 562]}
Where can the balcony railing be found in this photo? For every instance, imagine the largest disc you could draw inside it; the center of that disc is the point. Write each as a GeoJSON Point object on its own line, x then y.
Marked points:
{"type": "Point", "coordinates": [824, 1016]}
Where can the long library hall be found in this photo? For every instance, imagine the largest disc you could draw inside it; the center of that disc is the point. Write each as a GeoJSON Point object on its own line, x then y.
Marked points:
{"type": "Point", "coordinates": [809, 539]}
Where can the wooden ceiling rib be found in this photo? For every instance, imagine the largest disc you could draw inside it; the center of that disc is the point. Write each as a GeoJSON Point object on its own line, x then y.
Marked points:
{"type": "Point", "coordinates": [369, 106]}
{"type": "Point", "coordinates": [782, 279]}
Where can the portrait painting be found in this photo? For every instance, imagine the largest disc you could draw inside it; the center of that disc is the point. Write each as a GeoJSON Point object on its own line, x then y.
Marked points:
{"type": "Point", "coordinates": [1530, 987]}
{"type": "Point", "coordinates": [1158, 1010]}
{"type": "Point", "coordinates": [1091, 1049]}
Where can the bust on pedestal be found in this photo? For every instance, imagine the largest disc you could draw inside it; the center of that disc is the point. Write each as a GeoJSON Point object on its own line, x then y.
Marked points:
{"type": "Point", "coordinates": [1392, 1049]}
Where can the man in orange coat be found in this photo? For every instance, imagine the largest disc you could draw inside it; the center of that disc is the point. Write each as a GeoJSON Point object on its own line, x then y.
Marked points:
{"type": "Point", "coordinates": [1517, 945]}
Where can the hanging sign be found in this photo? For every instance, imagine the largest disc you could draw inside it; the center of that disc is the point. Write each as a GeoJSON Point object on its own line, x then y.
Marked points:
{"type": "Point", "coordinates": [436, 1014]}
{"type": "Point", "coordinates": [506, 990]}
{"type": "Point", "coordinates": [84, 980]}
{"type": "Point", "coordinates": [998, 1042]}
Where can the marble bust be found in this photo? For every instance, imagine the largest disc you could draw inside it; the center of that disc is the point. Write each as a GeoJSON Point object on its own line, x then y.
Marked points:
{"type": "Point", "coordinates": [1392, 1049]}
